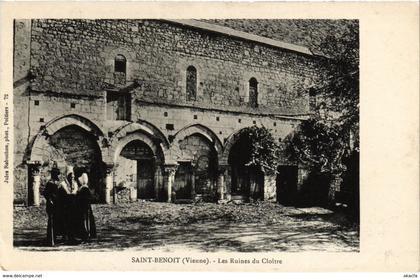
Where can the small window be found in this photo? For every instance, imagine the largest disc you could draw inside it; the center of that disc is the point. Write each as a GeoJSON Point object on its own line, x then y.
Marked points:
{"type": "Point", "coordinates": [217, 119]}
{"type": "Point", "coordinates": [165, 114]}
{"type": "Point", "coordinates": [120, 68]}
{"type": "Point", "coordinates": [120, 64]}
{"type": "Point", "coordinates": [191, 86]}
{"type": "Point", "coordinates": [253, 92]}
{"type": "Point", "coordinates": [73, 105]}
{"type": "Point", "coordinates": [254, 122]}
{"type": "Point", "coordinates": [36, 102]}
{"type": "Point", "coordinates": [41, 120]}
{"type": "Point", "coordinates": [170, 126]}
{"type": "Point", "coordinates": [239, 120]}
{"type": "Point", "coordinates": [195, 117]}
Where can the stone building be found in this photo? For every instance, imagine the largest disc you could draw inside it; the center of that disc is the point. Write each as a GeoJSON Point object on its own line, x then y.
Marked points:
{"type": "Point", "coordinates": [154, 108]}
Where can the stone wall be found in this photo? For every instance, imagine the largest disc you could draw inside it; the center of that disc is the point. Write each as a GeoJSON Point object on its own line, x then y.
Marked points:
{"type": "Point", "coordinates": [47, 106]}
{"type": "Point", "coordinates": [71, 65]}
{"type": "Point", "coordinates": [21, 58]}
{"type": "Point", "coordinates": [171, 119]}
{"type": "Point", "coordinates": [75, 56]}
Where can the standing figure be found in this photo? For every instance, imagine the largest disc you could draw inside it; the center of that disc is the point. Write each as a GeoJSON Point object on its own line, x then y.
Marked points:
{"type": "Point", "coordinates": [70, 183]}
{"type": "Point", "coordinates": [87, 227]}
{"type": "Point", "coordinates": [51, 193]}
{"type": "Point", "coordinates": [67, 194]}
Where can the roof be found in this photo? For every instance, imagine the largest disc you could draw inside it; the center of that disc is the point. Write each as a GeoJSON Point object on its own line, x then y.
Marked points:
{"type": "Point", "coordinates": [242, 35]}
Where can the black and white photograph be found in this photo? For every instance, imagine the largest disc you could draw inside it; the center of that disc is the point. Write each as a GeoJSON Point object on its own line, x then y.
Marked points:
{"type": "Point", "coordinates": [209, 135]}
{"type": "Point", "coordinates": [199, 137]}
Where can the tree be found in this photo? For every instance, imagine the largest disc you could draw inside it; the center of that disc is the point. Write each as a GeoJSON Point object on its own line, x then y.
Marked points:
{"type": "Point", "coordinates": [328, 142]}
{"type": "Point", "coordinates": [331, 133]}
{"type": "Point", "coordinates": [339, 85]}
{"type": "Point", "coordinates": [264, 149]}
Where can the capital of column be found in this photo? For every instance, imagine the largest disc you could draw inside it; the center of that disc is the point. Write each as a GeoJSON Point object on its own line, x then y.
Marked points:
{"type": "Point", "coordinates": [109, 167]}
{"type": "Point", "coordinates": [222, 169]}
{"type": "Point", "coordinates": [170, 169]}
{"type": "Point", "coordinates": [35, 167]}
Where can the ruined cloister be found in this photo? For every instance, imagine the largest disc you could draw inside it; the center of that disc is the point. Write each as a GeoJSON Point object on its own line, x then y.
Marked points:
{"type": "Point", "coordinates": [194, 165]}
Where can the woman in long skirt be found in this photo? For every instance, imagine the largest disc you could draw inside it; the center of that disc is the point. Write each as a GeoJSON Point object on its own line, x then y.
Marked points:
{"type": "Point", "coordinates": [87, 225]}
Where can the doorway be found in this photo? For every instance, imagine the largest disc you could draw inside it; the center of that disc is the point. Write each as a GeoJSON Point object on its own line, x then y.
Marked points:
{"type": "Point", "coordinates": [286, 185]}
{"type": "Point", "coordinates": [183, 181]}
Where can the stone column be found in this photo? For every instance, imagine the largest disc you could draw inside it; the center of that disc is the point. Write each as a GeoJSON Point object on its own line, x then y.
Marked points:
{"type": "Point", "coordinates": [156, 181]}
{"type": "Point", "coordinates": [109, 180]}
{"type": "Point", "coordinates": [270, 190]}
{"type": "Point", "coordinates": [170, 171]}
{"type": "Point", "coordinates": [192, 182]}
{"type": "Point", "coordinates": [221, 184]}
{"type": "Point", "coordinates": [35, 178]}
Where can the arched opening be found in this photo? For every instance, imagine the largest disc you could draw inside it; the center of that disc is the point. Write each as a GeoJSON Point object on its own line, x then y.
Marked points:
{"type": "Point", "coordinates": [196, 174]}
{"type": "Point", "coordinates": [253, 92]}
{"type": "Point", "coordinates": [120, 69]}
{"type": "Point", "coordinates": [191, 83]}
{"type": "Point", "coordinates": [74, 146]}
{"type": "Point", "coordinates": [246, 181]}
{"type": "Point", "coordinates": [136, 170]}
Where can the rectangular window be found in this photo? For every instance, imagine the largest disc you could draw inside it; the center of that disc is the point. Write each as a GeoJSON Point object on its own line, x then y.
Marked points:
{"type": "Point", "coordinates": [118, 106]}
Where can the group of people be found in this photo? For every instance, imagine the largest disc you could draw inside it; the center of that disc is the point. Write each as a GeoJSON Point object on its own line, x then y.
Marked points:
{"type": "Point", "coordinates": [69, 208]}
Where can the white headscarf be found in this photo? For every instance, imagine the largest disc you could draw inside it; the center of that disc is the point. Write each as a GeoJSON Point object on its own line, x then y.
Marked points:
{"type": "Point", "coordinates": [83, 179]}
{"type": "Point", "coordinates": [69, 170]}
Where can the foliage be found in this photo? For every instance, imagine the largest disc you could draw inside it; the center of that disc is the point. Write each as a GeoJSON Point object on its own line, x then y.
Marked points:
{"type": "Point", "coordinates": [264, 149]}
{"type": "Point", "coordinates": [332, 132]}
{"type": "Point", "coordinates": [339, 86]}
{"type": "Point", "coordinates": [317, 145]}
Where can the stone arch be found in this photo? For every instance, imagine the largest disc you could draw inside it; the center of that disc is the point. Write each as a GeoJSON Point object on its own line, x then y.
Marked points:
{"type": "Point", "coordinates": [143, 131]}
{"type": "Point", "coordinates": [196, 149]}
{"type": "Point", "coordinates": [69, 140]}
{"type": "Point", "coordinates": [156, 132]}
{"type": "Point", "coordinates": [117, 146]}
{"type": "Point", "coordinates": [136, 166]}
{"type": "Point", "coordinates": [204, 131]}
{"type": "Point", "coordinates": [37, 148]}
{"type": "Point", "coordinates": [230, 141]}
{"type": "Point", "coordinates": [245, 181]}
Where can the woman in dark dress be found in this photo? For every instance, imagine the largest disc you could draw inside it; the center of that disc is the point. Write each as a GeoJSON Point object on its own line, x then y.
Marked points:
{"type": "Point", "coordinates": [87, 227]}
{"type": "Point", "coordinates": [54, 207]}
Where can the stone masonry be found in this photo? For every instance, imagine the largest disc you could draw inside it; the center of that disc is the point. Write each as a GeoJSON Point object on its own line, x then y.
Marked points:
{"type": "Point", "coordinates": [85, 89]}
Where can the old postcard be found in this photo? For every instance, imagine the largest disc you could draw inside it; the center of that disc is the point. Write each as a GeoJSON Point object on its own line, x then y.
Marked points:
{"type": "Point", "coordinates": [210, 136]}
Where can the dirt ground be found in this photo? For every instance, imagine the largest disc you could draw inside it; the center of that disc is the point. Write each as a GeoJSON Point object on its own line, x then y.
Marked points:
{"type": "Point", "coordinates": [203, 227]}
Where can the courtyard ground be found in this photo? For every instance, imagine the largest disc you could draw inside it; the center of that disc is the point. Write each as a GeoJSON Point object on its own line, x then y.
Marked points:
{"type": "Point", "coordinates": [203, 227]}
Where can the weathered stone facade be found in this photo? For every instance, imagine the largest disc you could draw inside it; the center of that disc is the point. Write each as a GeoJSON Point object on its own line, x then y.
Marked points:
{"type": "Point", "coordinates": [149, 106]}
